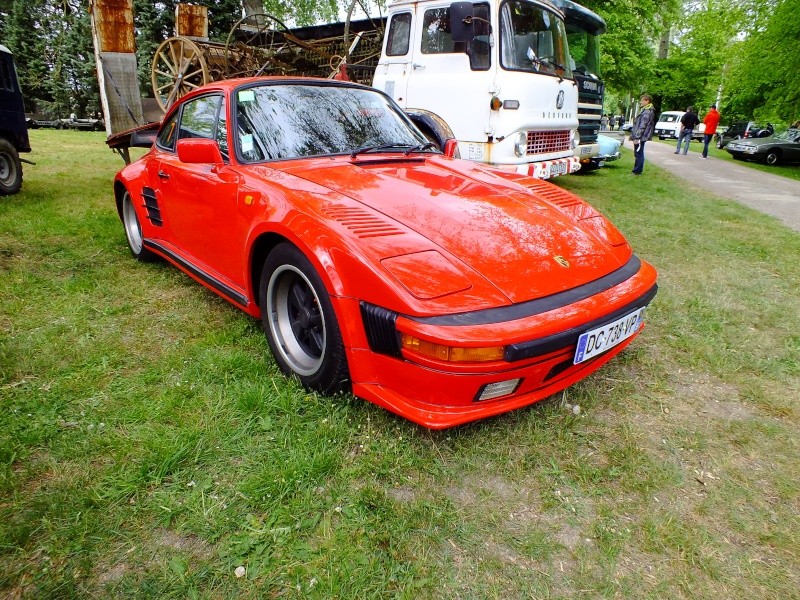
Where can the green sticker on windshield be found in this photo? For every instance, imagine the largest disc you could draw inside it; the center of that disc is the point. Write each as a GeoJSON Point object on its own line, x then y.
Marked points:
{"type": "Point", "coordinates": [247, 96]}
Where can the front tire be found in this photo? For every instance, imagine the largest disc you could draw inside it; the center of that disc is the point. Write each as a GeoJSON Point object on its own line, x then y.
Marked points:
{"type": "Point", "coordinates": [773, 157]}
{"type": "Point", "coordinates": [133, 230]}
{"type": "Point", "coordinates": [10, 169]}
{"type": "Point", "coordinates": [300, 323]}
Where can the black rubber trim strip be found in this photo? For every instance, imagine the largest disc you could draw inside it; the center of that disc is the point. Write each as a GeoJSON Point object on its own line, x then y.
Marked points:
{"type": "Point", "coordinates": [223, 289]}
{"type": "Point", "coordinates": [540, 305]}
{"type": "Point", "coordinates": [570, 337]}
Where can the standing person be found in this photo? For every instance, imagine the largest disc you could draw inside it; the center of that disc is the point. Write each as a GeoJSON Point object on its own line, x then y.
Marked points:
{"type": "Point", "coordinates": [689, 121]}
{"type": "Point", "coordinates": [621, 122]}
{"type": "Point", "coordinates": [711, 121]}
{"type": "Point", "coordinates": [643, 126]}
{"type": "Point", "coordinates": [604, 122]}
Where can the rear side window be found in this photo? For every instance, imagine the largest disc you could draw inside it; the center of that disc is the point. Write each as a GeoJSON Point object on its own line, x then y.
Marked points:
{"type": "Point", "coordinates": [8, 77]}
{"type": "Point", "coordinates": [399, 37]}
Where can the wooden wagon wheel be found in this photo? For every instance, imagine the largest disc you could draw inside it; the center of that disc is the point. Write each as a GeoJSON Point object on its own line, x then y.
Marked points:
{"type": "Point", "coordinates": [179, 66]}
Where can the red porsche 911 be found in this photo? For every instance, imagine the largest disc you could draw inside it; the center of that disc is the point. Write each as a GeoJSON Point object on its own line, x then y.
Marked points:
{"type": "Point", "coordinates": [440, 289]}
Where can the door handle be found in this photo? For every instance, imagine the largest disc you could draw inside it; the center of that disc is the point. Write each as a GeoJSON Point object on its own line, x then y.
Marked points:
{"type": "Point", "coordinates": [163, 175]}
{"type": "Point", "coordinates": [417, 66]}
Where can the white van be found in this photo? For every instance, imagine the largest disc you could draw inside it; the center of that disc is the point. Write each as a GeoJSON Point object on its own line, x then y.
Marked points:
{"type": "Point", "coordinates": [669, 126]}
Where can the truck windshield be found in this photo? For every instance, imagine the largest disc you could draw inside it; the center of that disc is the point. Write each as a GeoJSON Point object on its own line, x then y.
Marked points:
{"type": "Point", "coordinates": [533, 39]}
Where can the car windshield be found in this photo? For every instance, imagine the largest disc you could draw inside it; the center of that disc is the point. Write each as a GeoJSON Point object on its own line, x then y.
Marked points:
{"type": "Point", "coordinates": [790, 135]}
{"type": "Point", "coordinates": [668, 117]}
{"type": "Point", "coordinates": [291, 120]}
{"type": "Point", "coordinates": [533, 39]}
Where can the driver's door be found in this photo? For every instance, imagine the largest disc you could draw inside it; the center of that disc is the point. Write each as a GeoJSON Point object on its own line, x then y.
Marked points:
{"type": "Point", "coordinates": [201, 199]}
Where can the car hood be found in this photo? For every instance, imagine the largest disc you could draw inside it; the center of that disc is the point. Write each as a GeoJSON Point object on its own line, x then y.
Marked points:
{"type": "Point", "coordinates": [758, 142]}
{"type": "Point", "coordinates": [481, 222]}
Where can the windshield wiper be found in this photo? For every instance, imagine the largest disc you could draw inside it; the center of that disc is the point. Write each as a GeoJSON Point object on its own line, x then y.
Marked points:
{"type": "Point", "coordinates": [421, 148]}
{"type": "Point", "coordinates": [366, 149]}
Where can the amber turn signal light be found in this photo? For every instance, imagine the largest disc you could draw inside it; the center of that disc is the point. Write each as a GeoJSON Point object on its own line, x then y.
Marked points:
{"type": "Point", "coordinates": [454, 354]}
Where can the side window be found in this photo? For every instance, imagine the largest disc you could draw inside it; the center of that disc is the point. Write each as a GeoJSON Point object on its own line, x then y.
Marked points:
{"type": "Point", "coordinates": [167, 136]}
{"type": "Point", "coordinates": [397, 43]}
{"type": "Point", "coordinates": [8, 79]}
{"type": "Point", "coordinates": [438, 39]}
{"type": "Point", "coordinates": [436, 35]}
{"type": "Point", "coordinates": [199, 118]}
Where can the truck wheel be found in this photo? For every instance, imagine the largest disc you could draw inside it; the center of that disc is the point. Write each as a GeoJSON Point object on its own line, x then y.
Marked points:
{"type": "Point", "coordinates": [10, 169]}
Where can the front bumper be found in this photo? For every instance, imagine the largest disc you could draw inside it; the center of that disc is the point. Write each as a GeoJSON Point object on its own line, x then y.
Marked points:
{"type": "Point", "coordinates": [540, 346]}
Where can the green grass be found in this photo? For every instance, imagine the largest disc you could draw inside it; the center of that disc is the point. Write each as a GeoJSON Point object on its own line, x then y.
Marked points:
{"type": "Point", "coordinates": [149, 446]}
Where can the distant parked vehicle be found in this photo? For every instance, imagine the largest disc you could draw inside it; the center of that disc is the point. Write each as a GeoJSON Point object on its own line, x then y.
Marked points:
{"type": "Point", "coordinates": [85, 124]}
{"type": "Point", "coordinates": [741, 130]}
{"type": "Point", "coordinates": [669, 126]}
{"type": "Point", "coordinates": [780, 148]}
{"type": "Point", "coordinates": [40, 121]}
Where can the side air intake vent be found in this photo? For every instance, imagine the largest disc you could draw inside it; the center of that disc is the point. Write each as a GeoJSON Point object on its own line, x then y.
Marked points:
{"type": "Point", "coordinates": [151, 206]}
{"type": "Point", "coordinates": [381, 333]}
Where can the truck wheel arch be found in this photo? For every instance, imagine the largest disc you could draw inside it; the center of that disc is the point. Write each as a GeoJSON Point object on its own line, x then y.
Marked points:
{"type": "Point", "coordinates": [433, 126]}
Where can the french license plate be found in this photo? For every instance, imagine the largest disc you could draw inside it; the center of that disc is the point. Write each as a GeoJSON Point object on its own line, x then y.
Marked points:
{"type": "Point", "coordinates": [598, 340]}
{"type": "Point", "coordinates": [558, 168]}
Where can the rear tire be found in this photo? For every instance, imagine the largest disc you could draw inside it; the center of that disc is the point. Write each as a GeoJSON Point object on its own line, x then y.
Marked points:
{"type": "Point", "coordinates": [10, 169]}
{"type": "Point", "coordinates": [300, 323]}
{"type": "Point", "coordinates": [133, 231]}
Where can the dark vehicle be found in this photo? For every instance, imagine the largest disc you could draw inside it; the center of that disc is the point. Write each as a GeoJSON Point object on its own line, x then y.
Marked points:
{"type": "Point", "coordinates": [13, 126]}
{"type": "Point", "coordinates": [780, 148]}
{"type": "Point", "coordinates": [741, 130]}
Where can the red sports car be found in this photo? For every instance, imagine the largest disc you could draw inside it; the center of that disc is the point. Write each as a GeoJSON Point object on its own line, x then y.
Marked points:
{"type": "Point", "coordinates": [440, 289]}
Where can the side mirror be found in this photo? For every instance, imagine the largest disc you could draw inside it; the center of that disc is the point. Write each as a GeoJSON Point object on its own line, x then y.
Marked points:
{"type": "Point", "coordinates": [199, 151]}
{"type": "Point", "coordinates": [462, 24]}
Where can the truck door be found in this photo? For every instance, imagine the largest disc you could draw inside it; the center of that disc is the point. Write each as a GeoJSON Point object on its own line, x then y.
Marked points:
{"type": "Point", "coordinates": [454, 80]}
{"type": "Point", "coordinates": [391, 74]}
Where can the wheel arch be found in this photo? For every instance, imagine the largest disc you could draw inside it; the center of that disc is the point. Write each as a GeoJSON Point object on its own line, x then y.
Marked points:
{"type": "Point", "coordinates": [431, 123]}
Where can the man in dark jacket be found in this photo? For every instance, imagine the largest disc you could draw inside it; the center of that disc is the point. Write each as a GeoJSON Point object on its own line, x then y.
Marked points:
{"type": "Point", "coordinates": [689, 121]}
{"type": "Point", "coordinates": [643, 126]}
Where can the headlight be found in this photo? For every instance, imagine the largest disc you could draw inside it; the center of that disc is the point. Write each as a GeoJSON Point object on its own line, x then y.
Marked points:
{"type": "Point", "coordinates": [576, 139]}
{"type": "Point", "coordinates": [521, 144]}
{"type": "Point", "coordinates": [750, 149]}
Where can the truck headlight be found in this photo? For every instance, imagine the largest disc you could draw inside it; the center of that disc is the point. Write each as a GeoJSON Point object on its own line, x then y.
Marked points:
{"type": "Point", "coordinates": [576, 139]}
{"type": "Point", "coordinates": [521, 144]}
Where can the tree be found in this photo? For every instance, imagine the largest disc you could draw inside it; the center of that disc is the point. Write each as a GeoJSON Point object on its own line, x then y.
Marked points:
{"type": "Point", "coordinates": [759, 78]}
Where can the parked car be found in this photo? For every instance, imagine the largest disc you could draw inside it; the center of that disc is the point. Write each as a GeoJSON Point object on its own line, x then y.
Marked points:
{"type": "Point", "coordinates": [609, 147]}
{"type": "Point", "coordinates": [438, 288]}
{"type": "Point", "coordinates": [609, 151]}
{"type": "Point", "coordinates": [743, 130]}
{"type": "Point", "coordinates": [89, 124]}
{"type": "Point", "coordinates": [780, 148]}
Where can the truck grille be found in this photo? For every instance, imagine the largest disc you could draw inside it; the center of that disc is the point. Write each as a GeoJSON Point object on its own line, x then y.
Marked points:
{"type": "Point", "coordinates": [543, 142]}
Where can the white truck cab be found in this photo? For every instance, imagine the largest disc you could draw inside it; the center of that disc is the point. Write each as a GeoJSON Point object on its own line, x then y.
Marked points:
{"type": "Point", "coordinates": [493, 75]}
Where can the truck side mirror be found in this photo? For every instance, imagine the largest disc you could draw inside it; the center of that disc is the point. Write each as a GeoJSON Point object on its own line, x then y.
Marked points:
{"type": "Point", "coordinates": [462, 23]}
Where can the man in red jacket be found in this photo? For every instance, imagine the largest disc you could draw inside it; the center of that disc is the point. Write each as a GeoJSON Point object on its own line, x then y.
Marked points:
{"type": "Point", "coordinates": [711, 121]}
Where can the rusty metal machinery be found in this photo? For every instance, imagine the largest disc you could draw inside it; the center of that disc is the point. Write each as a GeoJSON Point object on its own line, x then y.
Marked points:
{"type": "Point", "coordinates": [261, 44]}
